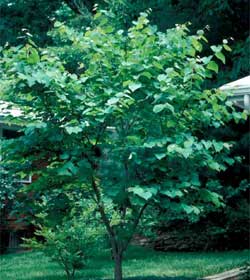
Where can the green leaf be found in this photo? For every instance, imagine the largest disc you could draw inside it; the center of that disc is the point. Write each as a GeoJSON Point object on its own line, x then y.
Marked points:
{"type": "Point", "coordinates": [186, 152]}
{"type": "Point", "coordinates": [31, 81]}
{"type": "Point", "coordinates": [213, 197]}
{"type": "Point", "coordinates": [218, 146]}
{"type": "Point", "coordinates": [169, 107]}
{"type": "Point", "coordinates": [214, 165]}
{"type": "Point", "coordinates": [197, 45]}
{"type": "Point", "coordinates": [134, 86]}
{"type": "Point", "coordinates": [64, 156]}
{"type": "Point", "coordinates": [190, 209]}
{"type": "Point", "coordinates": [158, 142]}
{"type": "Point", "coordinates": [141, 192]}
{"type": "Point", "coordinates": [213, 66]}
{"type": "Point", "coordinates": [160, 107]}
{"type": "Point", "coordinates": [229, 161]}
{"type": "Point", "coordinates": [187, 208]}
{"type": "Point", "coordinates": [158, 65]}
{"type": "Point", "coordinates": [73, 129]}
{"type": "Point", "coordinates": [113, 101]}
{"type": "Point", "coordinates": [147, 74]}
{"type": "Point", "coordinates": [68, 169]}
{"type": "Point", "coordinates": [33, 56]}
{"type": "Point", "coordinates": [160, 155]}
{"type": "Point", "coordinates": [206, 59]}
{"type": "Point", "coordinates": [161, 77]}
{"type": "Point", "coordinates": [200, 32]}
{"type": "Point", "coordinates": [196, 210]}
{"type": "Point", "coordinates": [220, 56]}
{"type": "Point", "coordinates": [207, 144]}
{"type": "Point", "coordinates": [172, 193]}
{"type": "Point", "coordinates": [216, 49]}
{"type": "Point", "coordinates": [227, 48]}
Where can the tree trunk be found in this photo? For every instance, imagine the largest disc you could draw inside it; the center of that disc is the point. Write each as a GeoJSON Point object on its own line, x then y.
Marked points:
{"type": "Point", "coordinates": [118, 266]}
{"type": "Point", "coordinates": [68, 274]}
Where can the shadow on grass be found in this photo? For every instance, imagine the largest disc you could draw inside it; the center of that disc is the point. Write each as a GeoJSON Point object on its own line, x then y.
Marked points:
{"type": "Point", "coordinates": [153, 278]}
{"type": "Point", "coordinates": [126, 278]}
{"type": "Point", "coordinates": [159, 278]}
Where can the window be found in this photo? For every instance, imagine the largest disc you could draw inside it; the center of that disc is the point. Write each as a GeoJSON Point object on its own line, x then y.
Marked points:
{"type": "Point", "coordinates": [10, 134]}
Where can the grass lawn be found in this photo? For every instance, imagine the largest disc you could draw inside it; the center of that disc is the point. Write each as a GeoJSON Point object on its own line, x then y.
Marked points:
{"type": "Point", "coordinates": [139, 264]}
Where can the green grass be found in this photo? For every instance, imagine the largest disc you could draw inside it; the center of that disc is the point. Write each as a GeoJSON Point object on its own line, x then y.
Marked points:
{"type": "Point", "coordinates": [140, 263]}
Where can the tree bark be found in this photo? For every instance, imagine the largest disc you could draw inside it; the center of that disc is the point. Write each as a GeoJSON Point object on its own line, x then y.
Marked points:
{"type": "Point", "coordinates": [118, 266]}
{"type": "Point", "coordinates": [116, 250]}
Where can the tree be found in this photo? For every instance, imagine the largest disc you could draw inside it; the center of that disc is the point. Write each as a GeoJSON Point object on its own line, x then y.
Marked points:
{"type": "Point", "coordinates": [126, 130]}
{"type": "Point", "coordinates": [19, 17]}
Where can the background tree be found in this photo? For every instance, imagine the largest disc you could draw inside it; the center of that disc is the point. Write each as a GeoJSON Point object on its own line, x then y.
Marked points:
{"type": "Point", "coordinates": [21, 16]}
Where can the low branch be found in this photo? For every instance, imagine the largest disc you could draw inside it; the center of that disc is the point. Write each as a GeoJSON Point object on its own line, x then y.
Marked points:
{"type": "Point", "coordinates": [102, 210]}
{"type": "Point", "coordinates": [80, 7]}
{"type": "Point", "coordinates": [136, 222]}
{"type": "Point", "coordinates": [72, 5]}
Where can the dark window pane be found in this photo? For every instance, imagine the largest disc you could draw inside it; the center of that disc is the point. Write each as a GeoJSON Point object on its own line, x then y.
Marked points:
{"type": "Point", "coordinates": [10, 134]}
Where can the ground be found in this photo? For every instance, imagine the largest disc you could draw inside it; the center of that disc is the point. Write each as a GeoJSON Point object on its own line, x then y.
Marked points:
{"type": "Point", "coordinates": [140, 264]}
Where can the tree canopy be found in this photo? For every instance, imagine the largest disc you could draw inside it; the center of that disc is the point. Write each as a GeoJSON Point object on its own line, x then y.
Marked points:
{"type": "Point", "coordinates": [225, 19]}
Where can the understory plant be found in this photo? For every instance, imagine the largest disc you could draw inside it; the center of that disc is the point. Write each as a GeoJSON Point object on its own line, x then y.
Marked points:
{"type": "Point", "coordinates": [70, 243]}
{"type": "Point", "coordinates": [127, 128]}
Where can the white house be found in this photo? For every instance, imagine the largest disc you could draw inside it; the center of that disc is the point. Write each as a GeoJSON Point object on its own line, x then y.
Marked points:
{"type": "Point", "coordinates": [240, 90]}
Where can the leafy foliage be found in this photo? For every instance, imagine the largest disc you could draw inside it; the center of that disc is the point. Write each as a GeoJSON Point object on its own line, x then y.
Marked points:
{"type": "Point", "coordinates": [8, 188]}
{"type": "Point", "coordinates": [71, 243]}
{"type": "Point", "coordinates": [25, 16]}
{"type": "Point", "coordinates": [226, 19]}
{"type": "Point", "coordinates": [128, 129]}
{"type": "Point", "coordinates": [225, 228]}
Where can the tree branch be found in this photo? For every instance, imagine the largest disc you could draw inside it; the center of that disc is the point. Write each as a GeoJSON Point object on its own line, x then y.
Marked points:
{"type": "Point", "coordinates": [102, 209]}
{"type": "Point", "coordinates": [136, 222]}
{"type": "Point", "coordinates": [76, 7]}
